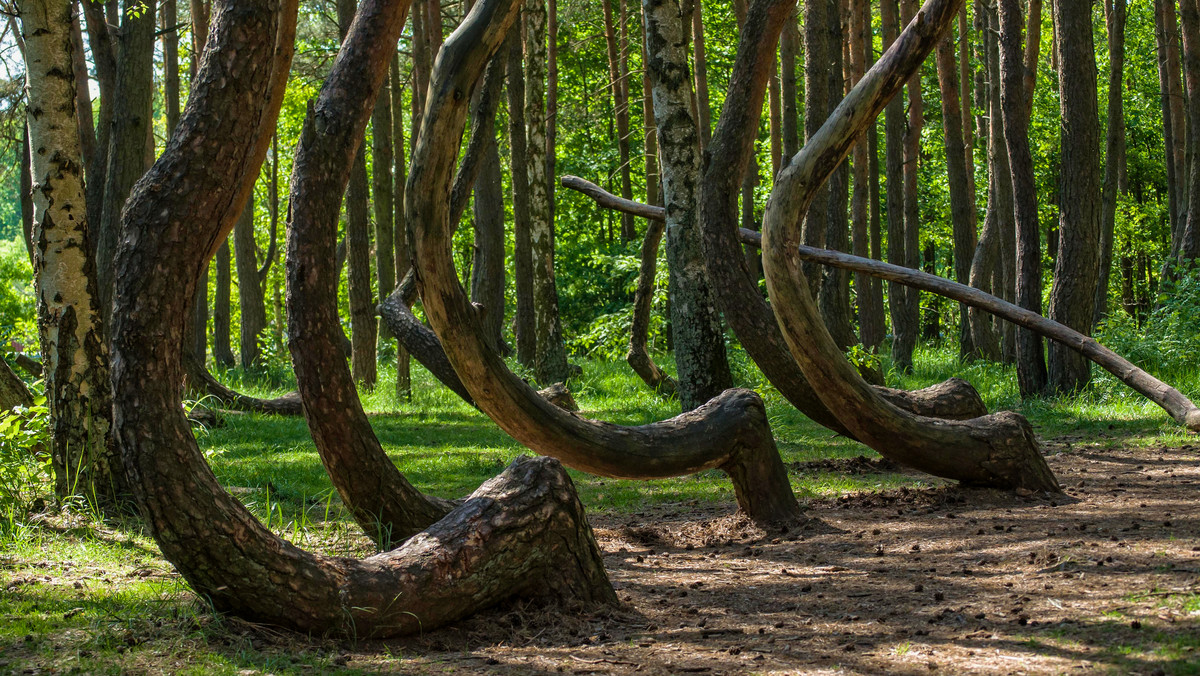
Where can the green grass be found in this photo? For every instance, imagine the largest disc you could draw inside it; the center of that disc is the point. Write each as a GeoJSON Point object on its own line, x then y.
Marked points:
{"type": "Point", "coordinates": [80, 595]}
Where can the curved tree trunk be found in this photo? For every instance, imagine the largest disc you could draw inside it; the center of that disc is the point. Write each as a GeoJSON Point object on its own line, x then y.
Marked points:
{"type": "Point", "coordinates": [13, 392]}
{"type": "Point", "coordinates": [84, 460]}
{"type": "Point", "coordinates": [638, 356]}
{"type": "Point", "coordinates": [998, 450]}
{"type": "Point", "coordinates": [200, 378]}
{"type": "Point", "coordinates": [381, 500]}
{"type": "Point", "coordinates": [730, 432]}
{"type": "Point", "coordinates": [523, 534]}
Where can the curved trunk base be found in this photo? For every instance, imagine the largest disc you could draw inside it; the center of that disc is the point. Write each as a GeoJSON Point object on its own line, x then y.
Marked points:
{"type": "Point", "coordinates": [200, 378]}
{"type": "Point", "coordinates": [953, 399]}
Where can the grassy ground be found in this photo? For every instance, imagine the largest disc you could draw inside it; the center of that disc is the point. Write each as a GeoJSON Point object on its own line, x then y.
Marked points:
{"type": "Point", "coordinates": [86, 595]}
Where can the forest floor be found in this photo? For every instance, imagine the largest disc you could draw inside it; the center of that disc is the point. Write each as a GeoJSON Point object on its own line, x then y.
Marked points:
{"type": "Point", "coordinates": [894, 572]}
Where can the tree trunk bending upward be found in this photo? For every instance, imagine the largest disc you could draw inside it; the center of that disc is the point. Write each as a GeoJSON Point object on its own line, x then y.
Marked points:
{"type": "Point", "coordinates": [638, 355]}
{"type": "Point", "coordinates": [954, 399]}
{"type": "Point", "coordinates": [13, 392]}
{"type": "Point", "coordinates": [522, 533]}
{"type": "Point", "coordinates": [423, 344]}
{"type": "Point", "coordinates": [1180, 408]}
{"type": "Point", "coordinates": [730, 432]}
{"type": "Point", "coordinates": [998, 450]}
{"type": "Point", "coordinates": [200, 378]}
{"type": "Point", "coordinates": [382, 501]}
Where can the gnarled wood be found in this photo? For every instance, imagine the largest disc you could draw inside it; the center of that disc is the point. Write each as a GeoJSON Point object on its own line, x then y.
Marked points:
{"type": "Point", "coordinates": [199, 377]}
{"type": "Point", "coordinates": [520, 534]}
{"type": "Point", "coordinates": [730, 432]}
{"type": "Point", "coordinates": [998, 450]}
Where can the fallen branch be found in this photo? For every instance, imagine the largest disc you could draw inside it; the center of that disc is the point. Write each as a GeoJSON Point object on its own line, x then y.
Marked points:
{"type": "Point", "coordinates": [1179, 407]}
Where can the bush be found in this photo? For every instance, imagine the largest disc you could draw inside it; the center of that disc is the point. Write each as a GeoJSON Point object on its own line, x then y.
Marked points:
{"type": "Point", "coordinates": [18, 306]}
{"type": "Point", "coordinates": [24, 461]}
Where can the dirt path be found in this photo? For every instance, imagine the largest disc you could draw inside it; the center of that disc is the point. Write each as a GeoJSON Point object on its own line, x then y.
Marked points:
{"type": "Point", "coordinates": [943, 579]}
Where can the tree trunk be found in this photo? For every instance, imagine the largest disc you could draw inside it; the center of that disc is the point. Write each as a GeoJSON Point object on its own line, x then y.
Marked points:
{"type": "Point", "coordinates": [526, 329]}
{"type": "Point", "coordinates": [74, 353]}
{"type": "Point", "coordinates": [25, 185]}
{"type": "Point", "coordinates": [962, 192]}
{"type": "Point", "coordinates": [903, 325]}
{"type": "Point", "coordinates": [638, 356]}
{"type": "Point", "coordinates": [1171, 99]}
{"type": "Point", "coordinates": [400, 229]}
{"type": "Point", "coordinates": [250, 293]}
{"type": "Point", "coordinates": [817, 56]}
{"type": "Point", "coordinates": [999, 450]}
{"type": "Point", "coordinates": [222, 351]}
{"type": "Point", "coordinates": [1004, 275]}
{"type": "Point", "coordinates": [700, 66]}
{"type": "Point", "coordinates": [550, 354]}
{"type": "Point", "coordinates": [1031, 360]}
{"type": "Point", "coordinates": [907, 330]}
{"type": "Point", "coordinates": [131, 125]}
{"type": "Point", "coordinates": [13, 392]}
{"type": "Point", "coordinates": [620, 93]}
{"type": "Point", "coordinates": [104, 57]}
{"type": "Point", "coordinates": [730, 432]}
{"type": "Point", "coordinates": [1114, 153]}
{"type": "Point", "coordinates": [1189, 240]}
{"type": "Point", "coordinates": [83, 94]}
{"type": "Point", "coordinates": [699, 342]}
{"type": "Point", "coordinates": [487, 271]}
{"type": "Point", "coordinates": [381, 188]}
{"type": "Point", "coordinates": [1073, 293]}
{"type": "Point", "coordinates": [789, 41]}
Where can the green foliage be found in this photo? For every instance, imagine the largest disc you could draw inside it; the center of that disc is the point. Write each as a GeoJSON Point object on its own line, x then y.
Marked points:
{"type": "Point", "coordinates": [1169, 339]}
{"type": "Point", "coordinates": [17, 302]}
{"type": "Point", "coordinates": [24, 462]}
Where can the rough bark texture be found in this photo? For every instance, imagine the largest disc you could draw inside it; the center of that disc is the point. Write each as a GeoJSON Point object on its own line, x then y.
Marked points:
{"type": "Point", "coordinates": [817, 55]}
{"type": "Point", "coordinates": [903, 325]}
{"type": "Point", "coordinates": [870, 316]}
{"type": "Point", "coordinates": [999, 450]}
{"type": "Point", "coordinates": [698, 340]}
{"type": "Point", "coordinates": [400, 229]}
{"type": "Point", "coordinates": [131, 128]}
{"type": "Point", "coordinates": [730, 432]}
{"type": "Point", "coordinates": [523, 534]}
{"type": "Point", "coordinates": [13, 392]}
{"type": "Point", "coordinates": [1073, 292]}
{"type": "Point", "coordinates": [487, 271]}
{"type": "Point", "coordinates": [1174, 118]}
{"type": "Point", "coordinates": [1031, 360]}
{"type": "Point", "coordinates": [906, 322]}
{"type": "Point", "coordinates": [75, 358]}
{"type": "Point", "coordinates": [104, 56]}
{"type": "Point", "coordinates": [1001, 205]}
{"type": "Point", "coordinates": [550, 354]}
{"type": "Point", "coordinates": [526, 329]}
{"type": "Point", "coordinates": [1180, 408]}
{"type": "Point", "coordinates": [381, 500]}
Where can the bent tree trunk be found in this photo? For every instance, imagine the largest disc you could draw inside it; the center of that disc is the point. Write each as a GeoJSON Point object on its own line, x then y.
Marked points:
{"type": "Point", "coordinates": [1180, 408]}
{"type": "Point", "coordinates": [13, 392]}
{"type": "Point", "coordinates": [736, 291]}
{"type": "Point", "coordinates": [522, 533]}
{"type": "Point", "coordinates": [202, 379]}
{"type": "Point", "coordinates": [730, 432]}
{"type": "Point", "coordinates": [381, 500]}
{"type": "Point", "coordinates": [998, 450]}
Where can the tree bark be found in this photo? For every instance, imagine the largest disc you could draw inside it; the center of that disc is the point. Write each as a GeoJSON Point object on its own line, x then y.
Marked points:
{"type": "Point", "coordinates": [381, 500]}
{"type": "Point", "coordinates": [400, 228]}
{"type": "Point", "coordinates": [907, 330]}
{"type": "Point", "coordinates": [1114, 153]}
{"type": "Point", "coordinates": [1002, 207]}
{"type": "Point", "coordinates": [104, 57]}
{"type": "Point", "coordinates": [730, 432]}
{"type": "Point", "coordinates": [550, 354]}
{"type": "Point", "coordinates": [1189, 239]}
{"type": "Point", "coordinates": [962, 192]}
{"type": "Point", "coordinates": [696, 327]}
{"type": "Point", "coordinates": [526, 329]}
{"type": "Point", "coordinates": [700, 68]}
{"type": "Point", "coordinates": [13, 392]}
{"type": "Point", "coordinates": [638, 356]}
{"type": "Point", "coordinates": [870, 315]}
{"type": "Point", "coordinates": [1174, 117]}
{"type": "Point", "coordinates": [381, 188]}
{"type": "Point", "coordinates": [74, 353]}
{"type": "Point", "coordinates": [222, 350]}
{"type": "Point", "coordinates": [1014, 106]}
{"type": "Point", "coordinates": [83, 94]}
{"type": "Point", "coordinates": [1072, 294]}
{"type": "Point", "coordinates": [487, 270]}
{"type": "Point", "coordinates": [999, 450]}
{"type": "Point", "coordinates": [903, 325]}
{"type": "Point", "coordinates": [133, 88]}
{"type": "Point", "coordinates": [250, 293]}
{"type": "Point", "coordinates": [817, 55]}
